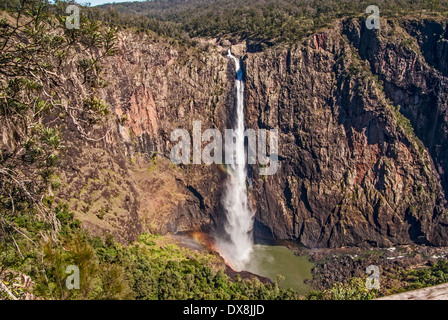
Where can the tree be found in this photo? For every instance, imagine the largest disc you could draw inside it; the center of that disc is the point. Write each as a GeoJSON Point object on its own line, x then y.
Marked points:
{"type": "Point", "coordinates": [34, 46]}
{"type": "Point", "coordinates": [35, 107]}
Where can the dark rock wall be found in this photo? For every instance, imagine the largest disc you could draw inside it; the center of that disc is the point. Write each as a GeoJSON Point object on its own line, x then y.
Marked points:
{"type": "Point", "coordinates": [352, 170]}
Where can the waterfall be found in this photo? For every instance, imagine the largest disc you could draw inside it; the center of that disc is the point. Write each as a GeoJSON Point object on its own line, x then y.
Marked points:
{"type": "Point", "coordinates": [237, 247]}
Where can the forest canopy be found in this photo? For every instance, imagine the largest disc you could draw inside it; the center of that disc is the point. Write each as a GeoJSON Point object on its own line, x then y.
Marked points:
{"type": "Point", "coordinates": [258, 20]}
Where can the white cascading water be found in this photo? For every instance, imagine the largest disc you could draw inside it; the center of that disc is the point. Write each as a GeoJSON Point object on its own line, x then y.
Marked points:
{"type": "Point", "coordinates": [237, 248]}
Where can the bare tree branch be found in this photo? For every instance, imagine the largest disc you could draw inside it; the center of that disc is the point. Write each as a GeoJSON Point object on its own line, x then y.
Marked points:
{"type": "Point", "coordinates": [5, 288]}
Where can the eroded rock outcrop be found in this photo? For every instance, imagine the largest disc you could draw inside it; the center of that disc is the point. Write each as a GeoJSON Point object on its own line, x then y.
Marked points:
{"type": "Point", "coordinates": [125, 183]}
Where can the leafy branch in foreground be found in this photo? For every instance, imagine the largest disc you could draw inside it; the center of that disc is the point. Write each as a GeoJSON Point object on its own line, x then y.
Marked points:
{"type": "Point", "coordinates": [36, 59]}
{"type": "Point", "coordinates": [355, 289]}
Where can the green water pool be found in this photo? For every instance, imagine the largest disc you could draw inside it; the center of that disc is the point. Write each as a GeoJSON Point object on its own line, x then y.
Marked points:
{"type": "Point", "coordinates": [268, 261]}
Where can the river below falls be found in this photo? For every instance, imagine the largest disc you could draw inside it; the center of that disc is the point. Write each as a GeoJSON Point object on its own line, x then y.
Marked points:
{"type": "Point", "coordinates": [270, 260]}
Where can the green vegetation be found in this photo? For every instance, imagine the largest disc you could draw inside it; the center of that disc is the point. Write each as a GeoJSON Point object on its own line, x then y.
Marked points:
{"type": "Point", "coordinates": [154, 267]}
{"type": "Point", "coordinates": [35, 103]}
{"type": "Point", "coordinates": [355, 289]}
{"type": "Point", "coordinates": [406, 125]}
{"type": "Point", "coordinates": [257, 20]}
{"type": "Point", "coordinates": [437, 273]}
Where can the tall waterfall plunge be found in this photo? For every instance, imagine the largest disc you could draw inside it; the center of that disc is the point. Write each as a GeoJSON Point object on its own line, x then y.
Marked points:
{"type": "Point", "coordinates": [237, 247]}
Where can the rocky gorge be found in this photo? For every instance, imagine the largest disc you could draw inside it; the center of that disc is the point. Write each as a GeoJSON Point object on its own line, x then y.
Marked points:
{"type": "Point", "coordinates": [361, 120]}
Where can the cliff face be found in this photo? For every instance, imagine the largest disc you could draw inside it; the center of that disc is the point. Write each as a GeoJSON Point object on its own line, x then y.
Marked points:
{"type": "Point", "coordinates": [126, 183]}
{"type": "Point", "coordinates": [352, 171]}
